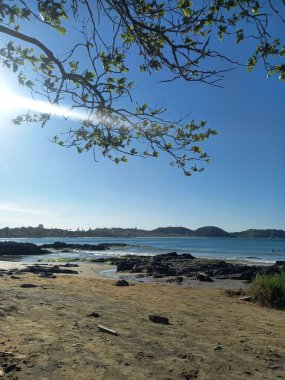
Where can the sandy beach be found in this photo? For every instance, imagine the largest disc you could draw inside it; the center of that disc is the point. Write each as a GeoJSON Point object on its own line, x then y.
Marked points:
{"type": "Point", "coordinates": [47, 331]}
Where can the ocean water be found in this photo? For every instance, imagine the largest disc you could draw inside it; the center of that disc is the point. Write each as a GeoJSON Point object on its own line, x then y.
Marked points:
{"type": "Point", "coordinates": [254, 251]}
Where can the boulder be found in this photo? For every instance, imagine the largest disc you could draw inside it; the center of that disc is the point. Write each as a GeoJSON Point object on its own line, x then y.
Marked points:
{"type": "Point", "coordinates": [158, 319]}
{"type": "Point", "coordinates": [204, 277]}
{"type": "Point", "coordinates": [122, 283]}
{"type": "Point", "coordinates": [178, 280]}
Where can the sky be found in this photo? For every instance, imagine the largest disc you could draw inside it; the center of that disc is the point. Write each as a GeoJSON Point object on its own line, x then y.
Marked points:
{"type": "Point", "coordinates": [243, 187]}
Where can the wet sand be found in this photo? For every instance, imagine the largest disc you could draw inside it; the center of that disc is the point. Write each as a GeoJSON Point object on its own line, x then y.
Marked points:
{"type": "Point", "coordinates": [46, 332]}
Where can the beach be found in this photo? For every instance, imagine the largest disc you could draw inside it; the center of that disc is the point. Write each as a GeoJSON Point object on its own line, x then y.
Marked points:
{"type": "Point", "coordinates": [48, 330]}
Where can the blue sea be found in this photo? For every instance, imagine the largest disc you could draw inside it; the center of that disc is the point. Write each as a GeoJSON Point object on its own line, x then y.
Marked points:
{"type": "Point", "coordinates": [253, 251]}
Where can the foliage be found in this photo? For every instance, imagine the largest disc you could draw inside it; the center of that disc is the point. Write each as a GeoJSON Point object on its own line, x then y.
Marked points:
{"type": "Point", "coordinates": [94, 75]}
{"type": "Point", "coordinates": [269, 290]}
{"type": "Point", "coordinates": [36, 232]}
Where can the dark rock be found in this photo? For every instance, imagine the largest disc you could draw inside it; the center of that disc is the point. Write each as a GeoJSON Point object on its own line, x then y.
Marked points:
{"type": "Point", "coordinates": [126, 266]}
{"type": "Point", "coordinates": [47, 275]}
{"type": "Point", "coordinates": [20, 249]}
{"type": "Point", "coordinates": [175, 265]}
{"type": "Point", "coordinates": [122, 283]}
{"type": "Point", "coordinates": [29, 286]}
{"type": "Point", "coordinates": [204, 277]}
{"type": "Point", "coordinates": [158, 319]}
{"type": "Point", "coordinates": [178, 280]}
{"type": "Point", "coordinates": [99, 260]}
{"type": "Point", "coordinates": [157, 275]}
{"type": "Point", "coordinates": [186, 256]}
{"type": "Point", "coordinates": [39, 269]}
{"type": "Point", "coordinates": [166, 256]}
{"type": "Point", "coordinates": [94, 314]}
{"type": "Point", "coordinates": [165, 269]}
{"type": "Point", "coordinates": [86, 247]}
{"type": "Point", "coordinates": [68, 265]}
{"type": "Point", "coordinates": [11, 367]}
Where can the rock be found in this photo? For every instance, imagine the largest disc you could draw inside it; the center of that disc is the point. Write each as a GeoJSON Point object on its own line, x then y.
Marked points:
{"type": "Point", "coordinates": [164, 269]}
{"type": "Point", "coordinates": [11, 367]}
{"type": "Point", "coordinates": [47, 271]}
{"type": "Point", "coordinates": [157, 275]}
{"type": "Point", "coordinates": [13, 248]}
{"type": "Point", "coordinates": [126, 266]}
{"type": "Point", "coordinates": [166, 256]}
{"type": "Point", "coordinates": [94, 314]}
{"type": "Point", "coordinates": [47, 275]}
{"type": "Point", "coordinates": [68, 265]}
{"type": "Point", "coordinates": [122, 283]}
{"type": "Point", "coordinates": [186, 256]}
{"type": "Point", "coordinates": [158, 319]}
{"type": "Point", "coordinates": [29, 286]}
{"type": "Point", "coordinates": [175, 265]}
{"type": "Point", "coordinates": [204, 277]}
{"type": "Point", "coordinates": [58, 245]}
{"type": "Point", "coordinates": [178, 280]}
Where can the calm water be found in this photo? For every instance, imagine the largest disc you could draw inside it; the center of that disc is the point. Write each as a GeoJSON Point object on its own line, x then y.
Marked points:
{"type": "Point", "coordinates": [252, 250]}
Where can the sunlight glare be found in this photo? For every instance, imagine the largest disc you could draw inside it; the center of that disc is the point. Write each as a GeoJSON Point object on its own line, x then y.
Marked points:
{"type": "Point", "coordinates": [9, 101]}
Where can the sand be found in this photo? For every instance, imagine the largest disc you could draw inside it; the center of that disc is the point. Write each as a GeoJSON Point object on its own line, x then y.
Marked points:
{"type": "Point", "coordinates": [46, 332]}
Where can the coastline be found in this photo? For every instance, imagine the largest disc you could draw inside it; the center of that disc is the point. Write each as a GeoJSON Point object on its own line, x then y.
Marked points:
{"type": "Point", "coordinates": [253, 251]}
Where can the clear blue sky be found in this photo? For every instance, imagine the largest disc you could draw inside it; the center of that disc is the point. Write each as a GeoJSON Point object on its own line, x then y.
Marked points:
{"type": "Point", "coordinates": [243, 187]}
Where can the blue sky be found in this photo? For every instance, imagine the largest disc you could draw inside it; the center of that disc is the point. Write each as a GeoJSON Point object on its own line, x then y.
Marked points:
{"type": "Point", "coordinates": [243, 187]}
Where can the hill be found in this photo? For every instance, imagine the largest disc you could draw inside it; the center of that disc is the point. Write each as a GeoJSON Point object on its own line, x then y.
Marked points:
{"type": "Point", "coordinates": [207, 231]}
{"type": "Point", "coordinates": [210, 231]}
{"type": "Point", "coordinates": [253, 233]}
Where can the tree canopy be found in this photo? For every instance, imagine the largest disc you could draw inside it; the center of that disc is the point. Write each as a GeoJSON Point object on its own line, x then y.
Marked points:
{"type": "Point", "coordinates": [94, 75]}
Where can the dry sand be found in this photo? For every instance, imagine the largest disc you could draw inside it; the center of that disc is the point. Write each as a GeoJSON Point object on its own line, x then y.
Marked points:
{"type": "Point", "coordinates": [46, 332]}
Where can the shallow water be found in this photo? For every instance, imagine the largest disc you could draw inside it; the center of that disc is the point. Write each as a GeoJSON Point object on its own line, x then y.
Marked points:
{"type": "Point", "coordinates": [260, 250]}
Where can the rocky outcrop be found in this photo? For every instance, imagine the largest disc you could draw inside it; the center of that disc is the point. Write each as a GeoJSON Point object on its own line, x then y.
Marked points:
{"type": "Point", "coordinates": [66, 247]}
{"type": "Point", "coordinates": [174, 265]}
{"type": "Point", "coordinates": [46, 271]}
{"type": "Point", "coordinates": [12, 248]}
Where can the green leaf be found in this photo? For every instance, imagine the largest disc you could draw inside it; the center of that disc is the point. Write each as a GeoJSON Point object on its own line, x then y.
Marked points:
{"type": "Point", "coordinates": [186, 12]}
{"type": "Point", "coordinates": [61, 29]}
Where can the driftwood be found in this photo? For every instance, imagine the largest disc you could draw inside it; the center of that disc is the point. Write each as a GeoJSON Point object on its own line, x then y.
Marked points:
{"type": "Point", "coordinates": [107, 330]}
{"type": "Point", "coordinates": [247, 298]}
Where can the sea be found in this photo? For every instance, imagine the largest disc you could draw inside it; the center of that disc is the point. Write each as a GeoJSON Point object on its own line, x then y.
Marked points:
{"type": "Point", "coordinates": [252, 251]}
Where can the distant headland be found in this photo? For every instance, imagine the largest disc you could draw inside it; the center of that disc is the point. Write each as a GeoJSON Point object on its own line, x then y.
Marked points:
{"type": "Point", "coordinates": [209, 231]}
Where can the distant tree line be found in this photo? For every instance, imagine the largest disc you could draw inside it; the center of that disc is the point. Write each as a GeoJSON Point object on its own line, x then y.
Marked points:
{"type": "Point", "coordinates": [211, 231]}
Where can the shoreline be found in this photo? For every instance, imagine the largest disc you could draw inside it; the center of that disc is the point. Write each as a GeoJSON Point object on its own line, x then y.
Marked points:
{"type": "Point", "coordinates": [252, 252]}
{"type": "Point", "coordinates": [91, 270]}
